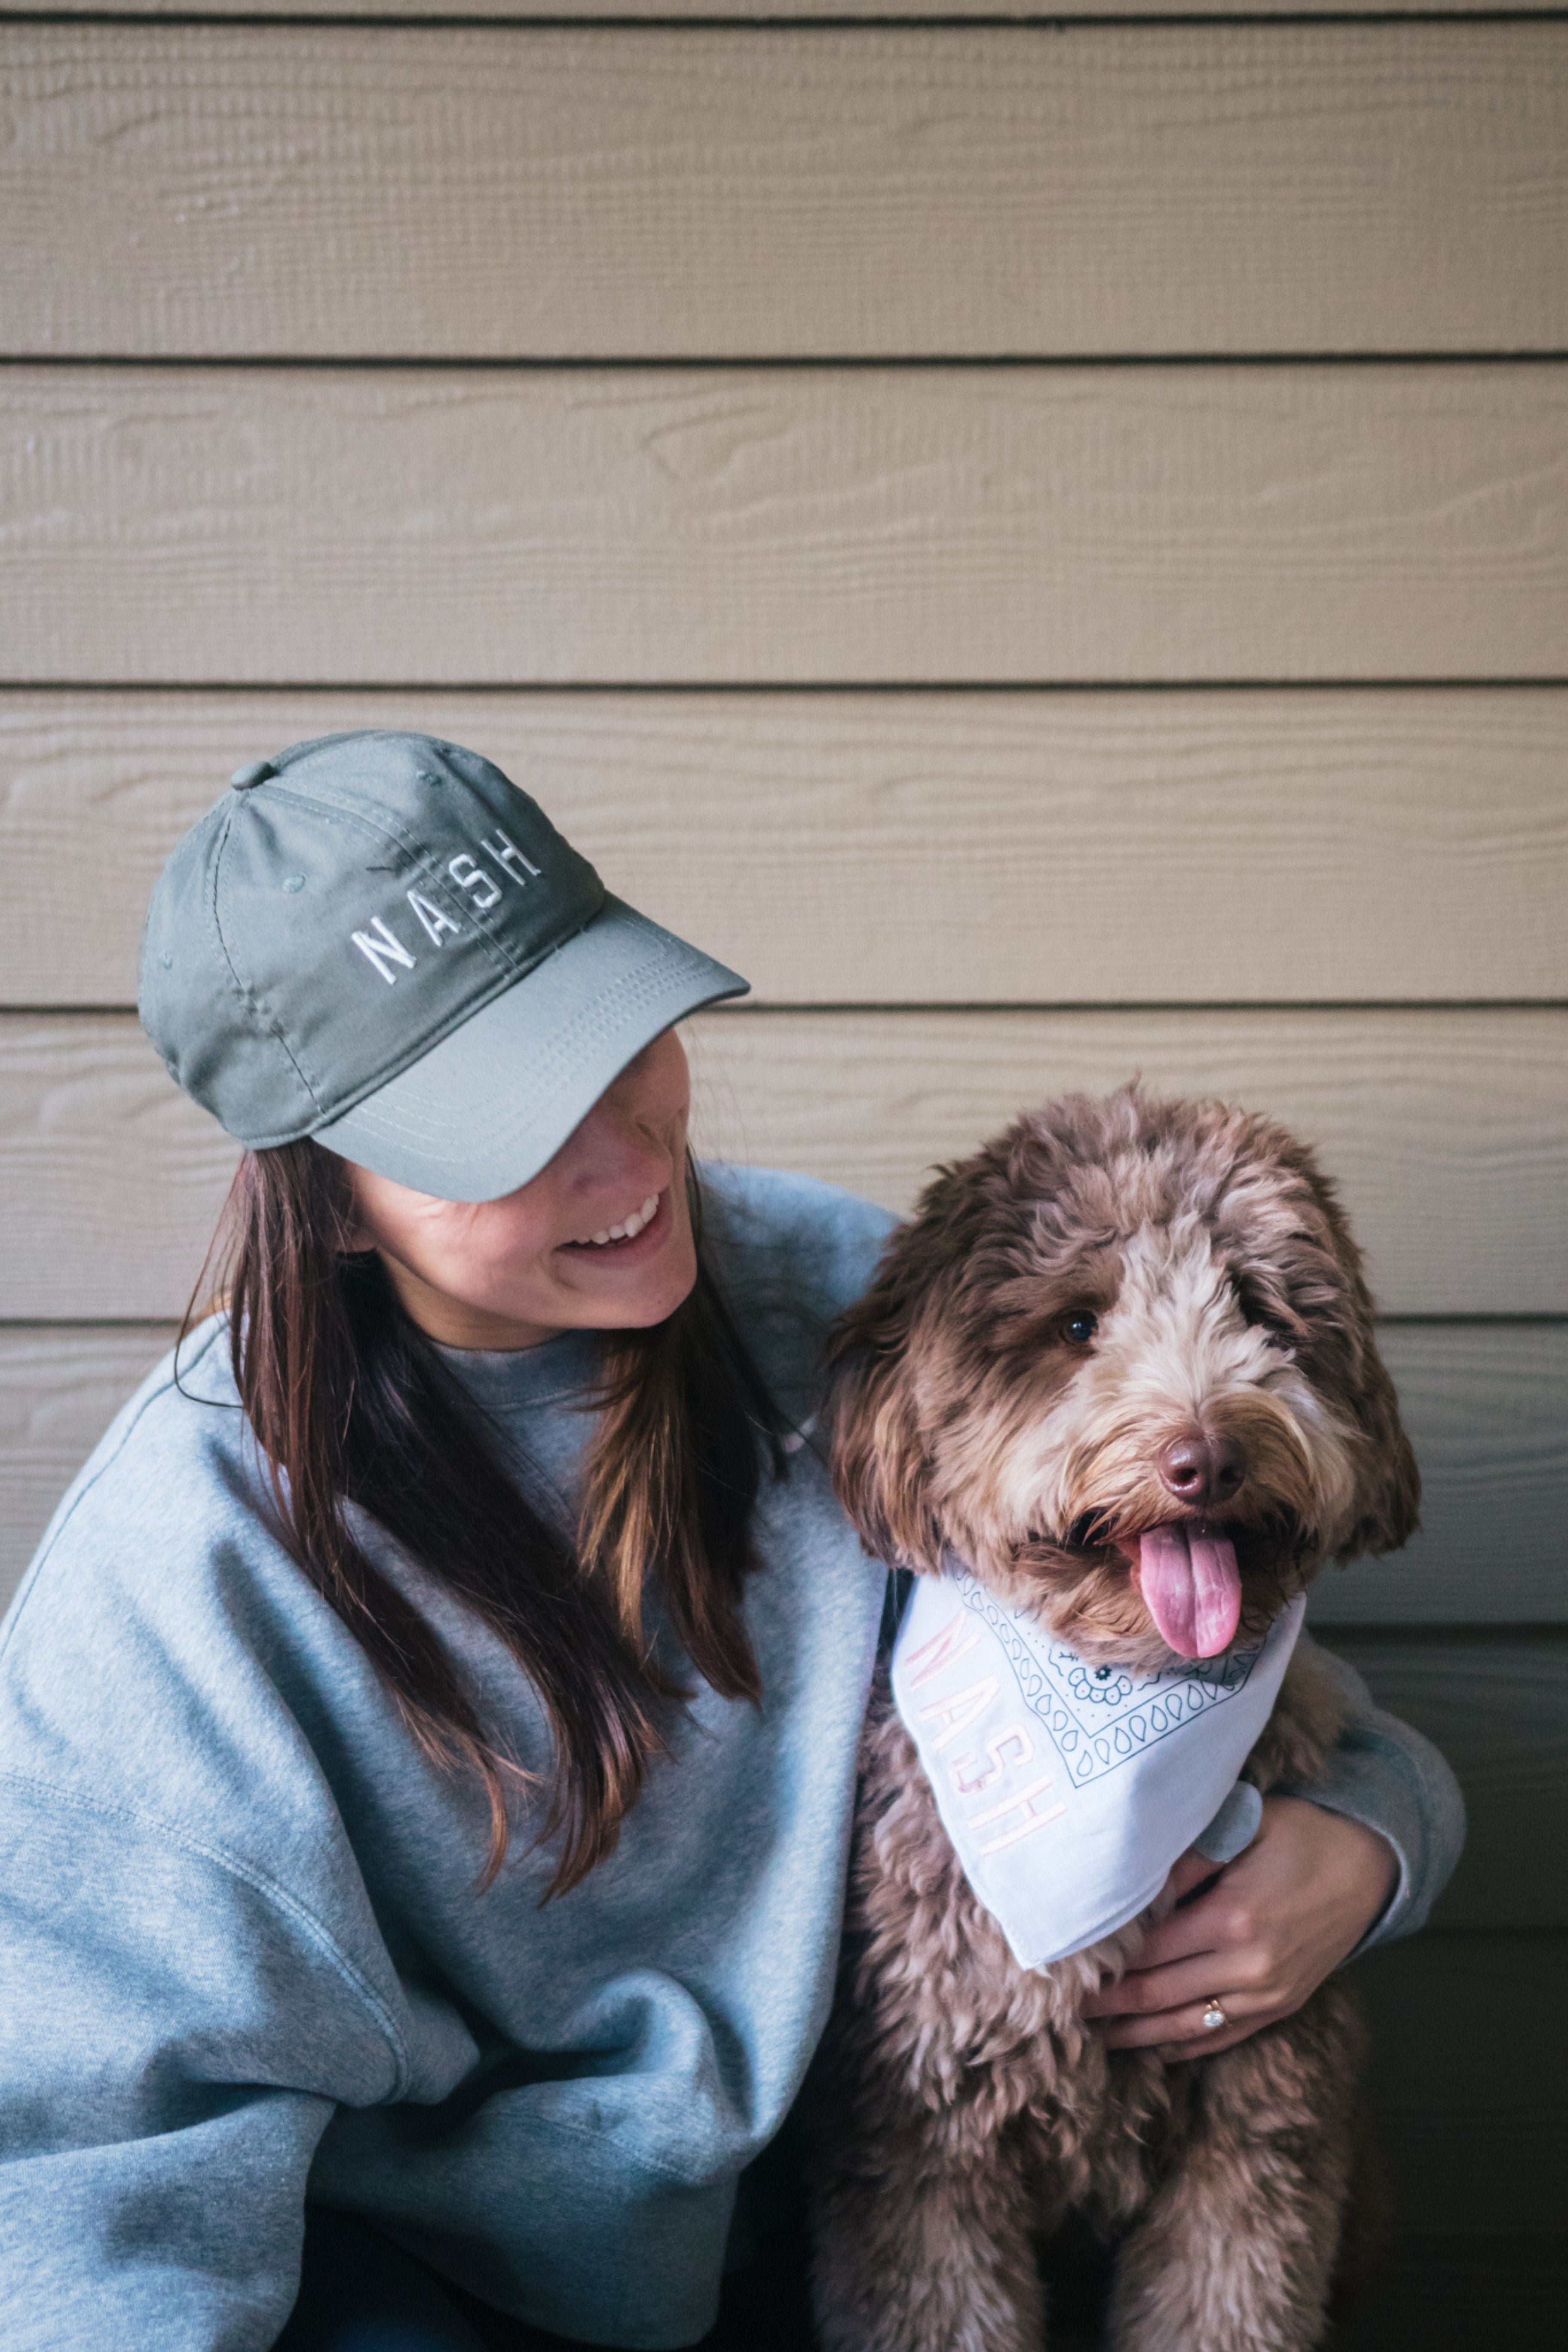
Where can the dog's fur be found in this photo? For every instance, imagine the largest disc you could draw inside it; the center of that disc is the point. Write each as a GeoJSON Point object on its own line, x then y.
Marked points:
{"type": "Point", "coordinates": [964, 2111]}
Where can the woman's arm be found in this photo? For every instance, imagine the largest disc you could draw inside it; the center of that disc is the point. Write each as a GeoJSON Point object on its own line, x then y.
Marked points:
{"type": "Point", "coordinates": [1386, 1776]}
{"type": "Point", "coordinates": [173, 2040]}
{"type": "Point", "coordinates": [1356, 1861]}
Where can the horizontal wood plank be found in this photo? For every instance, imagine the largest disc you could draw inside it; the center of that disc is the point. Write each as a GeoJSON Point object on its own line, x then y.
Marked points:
{"type": "Point", "coordinates": [796, 526]}
{"type": "Point", "coordinates": [842, 848]}
{"type": "Point", "coordinates": [1447, 1128]}
{"type": "Point", "coordinates": [1486, 1409]}
{"type": "Point", "coordinates": [1449, 1131]}
{"type": "Point", "coordinates": [1453, 2290]}
{"type": "Point", "coordinates": [1498, 1709]}
{"type": "Point", "coordinates": [58, 1392]}
{"type": "Point", "coordinates": [804, 11]}
{"type": "Point", "coordinates": [201, 190]}
{"type": "Point", "coordinates": [111, 1180]}
{"type": "Point", "coordinates": [1468, 2072]}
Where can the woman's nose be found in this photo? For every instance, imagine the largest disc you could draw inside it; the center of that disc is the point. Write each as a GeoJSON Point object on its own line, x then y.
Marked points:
{"type": "Point", "coordinates": [617, 1139]}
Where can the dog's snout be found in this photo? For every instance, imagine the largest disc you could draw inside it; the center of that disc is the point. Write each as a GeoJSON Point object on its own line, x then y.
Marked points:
{"type": "Point", "coordinates": [1204, 1467]}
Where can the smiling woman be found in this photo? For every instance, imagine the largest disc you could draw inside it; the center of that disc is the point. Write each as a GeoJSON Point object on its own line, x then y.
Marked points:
{"type": "Point", "coordinates": [337, 1280]}
{"type": "Point", "coordinates": [432, 1714]}
{"type": "Point", "coordinates": [600, 1240]}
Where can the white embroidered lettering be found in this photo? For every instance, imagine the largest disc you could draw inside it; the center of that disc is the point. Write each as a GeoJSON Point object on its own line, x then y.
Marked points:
{"type": "Point", "coordinates": [388, 950]}
{"type": "Point", "coordinates": [956, 1714]}
{"type": "Point", "coordinates": [470, 875]}
{"type": "Point", "coordinates": [506, 853]}
{"type": "Point", "coordinates": [432, 917]}
{"type": "Point", "coordinates": [1032, 1818]}
{"type": "Point", "coordinates": [1016, 1738]}
{"type": "Point", "coordinates": [923, 1665]}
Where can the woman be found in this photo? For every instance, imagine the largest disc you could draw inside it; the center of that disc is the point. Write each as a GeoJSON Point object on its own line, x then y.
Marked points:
{"type": "Point", "coordinates": [429, 1723]}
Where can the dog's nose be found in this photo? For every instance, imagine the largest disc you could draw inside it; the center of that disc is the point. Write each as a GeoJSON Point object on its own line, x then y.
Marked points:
{"type": "Point", "coordinates": [1203, 1467]}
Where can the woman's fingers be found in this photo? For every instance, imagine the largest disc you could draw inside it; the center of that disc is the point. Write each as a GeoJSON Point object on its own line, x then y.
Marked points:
{"type": "Point", "coordinates": [1225, 2037]}
{"type": "Point", "coordinates": [1215, 1936]}
{"type": "Point", "coordinates": [1260, 1938]}
{"type": "Point", "coordinates": [1181, 2027]}
{"type": "Point", "coordinates": [1190, 1871]}
{"type": "Point", "coordinates": [1218, 1921]}
{"type": "Point", "coordinates": [1185, 1985]}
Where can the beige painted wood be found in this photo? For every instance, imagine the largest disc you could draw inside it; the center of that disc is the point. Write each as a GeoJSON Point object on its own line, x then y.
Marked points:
{"type": "Point", "coordinates": [841, 849]}
{"type": "Point", "coordinates": [1449, 2290]}
{"type": "Point", "coordinates": [1486, 1409]}
{"type": "Point", "coordinates": [340, 192]}
{"type": "Point", "coordinates": [805, 10]}
{"type": "Point", "coordinates": [1449, 1129]}
{"type": "Point", "coordinates": [59, 1390]}
{"type": "Point", "coordinates": [1468, 2067]}
{"type": "Point", "coordinates": [1466, 2081]}
{"type": "Point", "coordinates": [789, 526]}
{"type": "Point", "coordinates": [110, 1181]}
{"type": "Point", "coordinates": [1498, 1709]}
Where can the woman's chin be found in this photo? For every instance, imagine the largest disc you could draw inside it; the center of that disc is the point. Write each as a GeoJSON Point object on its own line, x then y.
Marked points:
{"type": "Point", "coordinates": [630, 1285]}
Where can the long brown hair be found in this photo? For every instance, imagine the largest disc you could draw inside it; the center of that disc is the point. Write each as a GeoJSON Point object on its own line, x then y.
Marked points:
{"type": "Point", "coordinates": [350, 1404]}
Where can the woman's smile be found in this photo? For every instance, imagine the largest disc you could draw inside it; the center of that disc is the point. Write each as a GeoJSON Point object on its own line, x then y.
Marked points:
{"type": "Point", "coordinates": [648, 1225]}
{"type": "Point", "coordinates": [600, 1239]}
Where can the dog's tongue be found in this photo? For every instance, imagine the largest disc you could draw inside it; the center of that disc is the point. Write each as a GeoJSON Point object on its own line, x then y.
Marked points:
{"type": "Point", "coordinates": [1190, 1581]}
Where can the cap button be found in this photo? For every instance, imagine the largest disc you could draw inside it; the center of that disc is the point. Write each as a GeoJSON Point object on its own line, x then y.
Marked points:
{"type": "Point", "coordinates": [255, 772]}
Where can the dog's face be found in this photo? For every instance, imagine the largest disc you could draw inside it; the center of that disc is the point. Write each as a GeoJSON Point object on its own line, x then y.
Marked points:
{"type": "Point", "coordinates": [1122, 1363]}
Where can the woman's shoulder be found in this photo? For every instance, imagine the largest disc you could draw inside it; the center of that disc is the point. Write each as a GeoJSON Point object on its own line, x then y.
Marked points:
{"type": "Point", "coordinates": [173, 1489]}
{"type": "Point", "coordinates": [164, 1648]}
{"type": "Point", "coordinates": [792, 1253]}
{"type": "Point", "coordinates": [162, 1667]}
{"type": "Point", "coordinates": [186, 1406]}
{"type": "Point", "coordinates": [774, 1231]}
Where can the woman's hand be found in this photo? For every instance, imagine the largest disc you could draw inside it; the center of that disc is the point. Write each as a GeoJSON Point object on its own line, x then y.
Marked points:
{"type": "Point", "coordinates": [1260, 1938]}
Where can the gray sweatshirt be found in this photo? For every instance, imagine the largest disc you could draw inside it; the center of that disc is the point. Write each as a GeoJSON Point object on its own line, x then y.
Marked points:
{"type": "Point", "coordinates": [242, 1959]}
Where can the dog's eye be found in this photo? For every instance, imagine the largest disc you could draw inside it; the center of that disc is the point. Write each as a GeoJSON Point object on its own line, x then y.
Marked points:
{"type": "Point", "coordinates": [1263, 1314]}
{"type": "Point", "coordinates": [1080, 1328]}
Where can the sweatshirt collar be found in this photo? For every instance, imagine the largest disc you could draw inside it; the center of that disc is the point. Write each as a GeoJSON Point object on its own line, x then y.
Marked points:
{"type": "Point", "coordinates": [560, 1371]}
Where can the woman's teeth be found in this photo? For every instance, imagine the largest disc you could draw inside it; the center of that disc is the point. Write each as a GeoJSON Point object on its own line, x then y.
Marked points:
{"type": "Point", "coordinates": [629, 1228]}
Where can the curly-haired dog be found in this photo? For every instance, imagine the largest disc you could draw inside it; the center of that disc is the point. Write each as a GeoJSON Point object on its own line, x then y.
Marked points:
{"type": "Point", "coordinates": [1122, 1365]}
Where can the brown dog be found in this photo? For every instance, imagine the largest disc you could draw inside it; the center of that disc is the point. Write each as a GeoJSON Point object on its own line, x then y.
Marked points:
{"type": "Point", "coordinates": [1122, 1365]}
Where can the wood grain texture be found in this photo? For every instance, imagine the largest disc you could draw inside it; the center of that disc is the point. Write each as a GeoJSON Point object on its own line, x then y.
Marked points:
{"type": "Point", "coordinates": [844, 848]}
{"type": "Point", "coordinates": [1497, 1486]}
{"type": "Point", "coordinates": [1486, 1409]}
{"type": "Point", "coordinates": [111, 1180]}
{"type": "Point", "coordinates": [811, 526]}
{"type": "Point", "coordinates": [1447, 1128]}
{"type": "Point", "coordinates": [58, 1392]}
{"type": "Point", "coordinates": [1453, 2290]}
{"type": "Point", "coordinates": [1449, 1131]}
{"type": "Point", "coordinates": [1498, 1709]}
{"type": "Point", "coordinates": [340, 193]}
{"type": "Point", "coordinates": [804, 11]}
{"type": "Point", "coordinates": [1467, 2081]}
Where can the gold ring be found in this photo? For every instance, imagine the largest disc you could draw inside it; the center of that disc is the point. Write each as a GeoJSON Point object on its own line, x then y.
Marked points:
{"type": "Point", "coordinates": [1214, 2015]}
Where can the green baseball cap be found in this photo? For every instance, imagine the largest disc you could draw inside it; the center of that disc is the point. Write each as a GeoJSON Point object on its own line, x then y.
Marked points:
{"type": "Point", "coordinates": [376, 939]}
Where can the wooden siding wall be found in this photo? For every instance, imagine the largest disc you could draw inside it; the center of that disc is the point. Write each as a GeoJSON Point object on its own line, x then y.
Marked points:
{"type": "Point", "coordinates": [1046, 543]}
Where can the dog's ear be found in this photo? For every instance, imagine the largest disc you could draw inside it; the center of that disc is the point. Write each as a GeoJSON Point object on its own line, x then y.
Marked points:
{"type": "Point", "coordinates": [1388, 1489]}
{"type": "Point", "coordinates": [1387, 1499]}
{"type": "Point", "coordinates": [880, 1468]}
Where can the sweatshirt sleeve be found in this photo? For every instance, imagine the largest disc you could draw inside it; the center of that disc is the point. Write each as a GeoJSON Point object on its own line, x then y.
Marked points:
{"type": "Point", "coordinates": [1388, 1777]}
{"type": "Point", "coordinates": [174, 2034]}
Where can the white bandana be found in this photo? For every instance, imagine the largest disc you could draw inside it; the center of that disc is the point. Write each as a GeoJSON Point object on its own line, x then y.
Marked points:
{"type": "Point", "coordinates": [1069, 1789]}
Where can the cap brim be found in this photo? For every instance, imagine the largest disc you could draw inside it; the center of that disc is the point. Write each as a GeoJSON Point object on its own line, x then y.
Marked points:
{"type": "Point", "coordinates": [485, 1109]}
